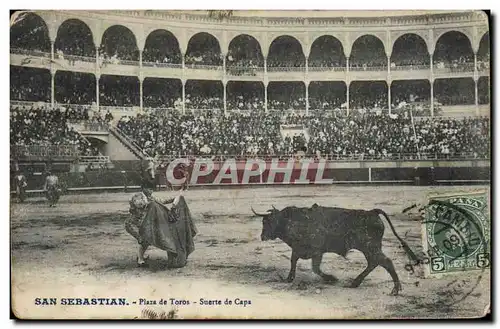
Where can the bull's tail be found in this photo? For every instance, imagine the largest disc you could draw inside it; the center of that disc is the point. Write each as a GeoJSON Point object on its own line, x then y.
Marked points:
{"type": "Point", "coordinates": [405, 246]}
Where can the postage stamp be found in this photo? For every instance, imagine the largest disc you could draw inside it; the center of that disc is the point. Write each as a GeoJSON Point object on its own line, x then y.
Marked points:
{"type": "Point", "coordinates": [456, 233]}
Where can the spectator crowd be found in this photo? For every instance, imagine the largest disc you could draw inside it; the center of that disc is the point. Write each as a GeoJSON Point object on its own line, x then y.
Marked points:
{"type": "Point", "coordinates": [44, 127]}
{"type": "Point", "coordinates": [361, 134]}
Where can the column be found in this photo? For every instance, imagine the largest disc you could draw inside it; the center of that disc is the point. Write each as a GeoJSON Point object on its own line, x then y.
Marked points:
{"type": "Point", "coordinates": [307, 65]}
{"type": "Point", "coordinates": [347, 82]}
{"type": "Point", "coordinates": [475, 64]}
{"type": "Point", "coordinates": [140, 59]}
{"type": "Point", "coordinates": [52, 74]}
{"type": "Point", "coordinates": [52, 50]}
{"type": "Point", "coordinates": [347, 98]}
{"type": "Point", "coordinates": [97, 76]}
{"type": "Point", "coordinates": [52, 88]}
{"type": "Point", "coordinates": [224, 85]}
{"type": "Point", "coordinates": [224, 65]}
{"type": "Point", "coordinates": [432, 85]}
{"type": "Point", "coordinates": [432, 97]}
{"type": "Point", "coordinates": [307, 96]}
{"type": "Point", "coordinates": [389, 83]}
{"type": "Point", "coordinates": [141, 79]}
{"type": "Point", "coordinates": [266, 82]}
{"type": "Point", "coordinates": [183, 60]}
{"type": "Point", "coordinates": [476, 93]}
{"type": "Point", "coordinates": [97, 91]}
{"type": "Point", "coordinates": [389, 100]}
{"type": "Point", "coordinates": [265, 95]}
{"type": "Point", "coordinates": [183, 92]}
{"type": "Point", "coordinates": [476, 83]}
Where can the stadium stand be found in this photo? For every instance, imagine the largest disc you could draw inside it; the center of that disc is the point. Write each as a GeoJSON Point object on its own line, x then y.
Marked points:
{"type": "Point", "coordinates": [167, 115]}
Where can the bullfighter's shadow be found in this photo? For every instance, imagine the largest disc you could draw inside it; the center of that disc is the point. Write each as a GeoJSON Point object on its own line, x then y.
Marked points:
{"type": "Point", "coordinates": [153, 264]}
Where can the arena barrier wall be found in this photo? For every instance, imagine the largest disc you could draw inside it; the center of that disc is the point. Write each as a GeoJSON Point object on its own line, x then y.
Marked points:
{"type": "Point", "coordinates": [236, 173]}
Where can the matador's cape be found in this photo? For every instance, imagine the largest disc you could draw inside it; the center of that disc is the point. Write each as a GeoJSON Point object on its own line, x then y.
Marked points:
{"type": "Point", "coordinates": [174, 237]}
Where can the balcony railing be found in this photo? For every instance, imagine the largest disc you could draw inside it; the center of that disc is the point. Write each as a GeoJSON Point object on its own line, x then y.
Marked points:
{"type": "Point", "coordinates": [94, 159]}
{"type": "Point", "coordinates": [204, 67]}
{"type": "Point", "coordinates": [454, 68]}
{"type": "Point", "coordinates": [87, 125]}
{"type": "Point", "coordinates": [44, 151]}
{"type": "Point", "coordinates": [74, 58]}
{"type": "Point", "coordinates": [368, 68]}
{"type": "Point", "coordinates": [165, 65]}
{"type": "Point", "coordinates": [27, 105]}
{"type": "Point", "coordinates": [240, 70]}
{"type": "Point", "coordinates": [117, 108]}
{"type": "Point", "coordinates": [34, 53]}
{"type": "Point", "coordinates": [286, 69]}
{"type": "Point", "coordinates": [326, 68]}
{"type": "Point", "coordinates": [334, 157]}
{"type": "Point", "coordinates": [410, 67]}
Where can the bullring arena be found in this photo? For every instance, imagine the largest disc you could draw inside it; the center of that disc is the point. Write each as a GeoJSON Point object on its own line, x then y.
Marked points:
{"type": "Point", "coordinates": [82, 249]}
{"type": "Point", "coordinates": [385, 110]}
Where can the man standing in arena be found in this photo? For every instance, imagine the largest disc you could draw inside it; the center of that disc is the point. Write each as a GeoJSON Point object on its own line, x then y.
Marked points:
{"type": "Point", "coordinates": [186, 170]}
{"type": "Point", "coordinates": [148, 175]}
{"type": "Point", "coordinates": [138, 207]}
{"type": "Point", "coordinates": [51, 188]}
{"type": "Point", "coordinates": [21, 184]}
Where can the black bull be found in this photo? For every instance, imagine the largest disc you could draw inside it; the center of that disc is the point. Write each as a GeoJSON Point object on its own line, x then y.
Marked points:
{"type": "Point", "coordinates": [311, 232]}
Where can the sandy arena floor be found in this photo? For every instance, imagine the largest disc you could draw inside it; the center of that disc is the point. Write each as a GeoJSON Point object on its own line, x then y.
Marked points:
{"type": "Point", "coordinates": [81, 249]}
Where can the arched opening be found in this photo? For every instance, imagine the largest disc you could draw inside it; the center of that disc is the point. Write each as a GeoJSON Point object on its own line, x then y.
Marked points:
{"type": "Point", "coordinates": [74, 37]}
{"type": "Point", "coordinates": [204, 95]}
{"type": "Point", "coordinates": [368, 95]}
{"type": "Point", "coordinates": [162, 93]}
{"type": "Point", "coordinates": [285, 51]}
{"type": "Point", "coordinates": [74, 88]}
{"type": "Point", "coordinates": [118, 90]}
{"type": "Point", "coordinates": [410, 51]}
{"type": "Point", "coordinates": [458, 91]}
{"type": "Point", "coordinates": [410, 91]}
{"type": "Point", "coordinates": [29, 84]}
{"type": "Point", "coordinates": [327, 95]}
{"type": "Point", "coordinates": [483, 90]}
{"type": "Point", "coordinates": [483, 53]}
{"type": "Point", "coordinates": [286, 95]}
{"type": "Point", "coordinates": [119, 43]}
{"type": "Point", "coordinates": [368, 52]}
{"type": "Point", "coordinates": [161, 47]}
{"type": "Point", "coordinates": [245, 95]}
{"type": "Point", "coordinates": [416, 93]}
{"type": "Point", "coordinates": [30, 32]}
{"type": "Point", "coordinates": [244, 51]}
{"type": "Point", "coordinates": [454, 51]}
{"type": "Point", "coordinates": [326, 51]}
{"type": "Point", "coordinates": [203, 49]}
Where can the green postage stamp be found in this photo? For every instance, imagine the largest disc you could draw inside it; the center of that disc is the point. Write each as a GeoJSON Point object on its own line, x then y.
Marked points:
{"type": "Point", "coordinates": [456, 233]}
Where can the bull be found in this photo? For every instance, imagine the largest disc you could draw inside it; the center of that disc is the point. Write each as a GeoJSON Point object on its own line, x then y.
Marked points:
{"type": "Point", "coordinates": [311, 232]}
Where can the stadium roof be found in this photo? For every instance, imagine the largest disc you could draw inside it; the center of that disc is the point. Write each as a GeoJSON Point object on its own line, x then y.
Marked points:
{"type": "Point", "coordinates": [328, 13]}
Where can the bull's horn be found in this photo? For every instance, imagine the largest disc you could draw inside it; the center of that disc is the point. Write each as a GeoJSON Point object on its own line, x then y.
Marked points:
{"type": "Point", "coordinates": [274, 208]}
{"type": "Point", "coordinates": [256, 214]}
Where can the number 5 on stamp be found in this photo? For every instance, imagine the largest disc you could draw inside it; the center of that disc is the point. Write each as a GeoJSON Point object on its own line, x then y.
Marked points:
{"type": "Point", "coordinates": [456, 233]}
